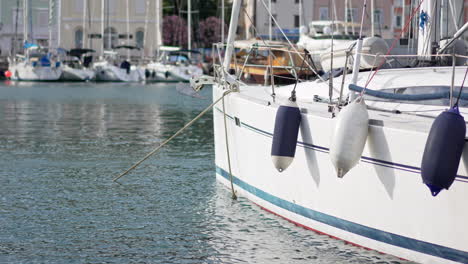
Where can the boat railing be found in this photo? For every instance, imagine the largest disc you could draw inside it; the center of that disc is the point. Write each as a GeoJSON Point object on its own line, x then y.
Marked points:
{"type": "Point", "coordinates": [276, 58]}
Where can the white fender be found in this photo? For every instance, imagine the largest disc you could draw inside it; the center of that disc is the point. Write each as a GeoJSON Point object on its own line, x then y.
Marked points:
{"type": "Point", "coordinates": [349, 137]}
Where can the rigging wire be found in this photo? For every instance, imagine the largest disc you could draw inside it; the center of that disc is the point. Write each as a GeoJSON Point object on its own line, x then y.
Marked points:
{"type": "Point", "coordinates": [461, 88]}
{"type": "Point", "coordinates": [287, 39]}
{"type": "Point", "coordinates": [274, 56]}
{"type": "Point", "coordinates": [393, 45]}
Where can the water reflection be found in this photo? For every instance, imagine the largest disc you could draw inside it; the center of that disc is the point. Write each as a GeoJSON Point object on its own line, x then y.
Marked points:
{"type": "Point", "coordinates": [60, 146]}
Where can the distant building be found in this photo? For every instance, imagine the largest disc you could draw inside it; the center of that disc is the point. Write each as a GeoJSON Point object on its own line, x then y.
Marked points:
{"type": "Point", "coordinates": [79, 24]}
{"type": "Point", "coordinates": [12, 24]}
{"type": "Point", "coordinates": [82, 23]}
{"type": "Point", "coordinates": [389, 16]}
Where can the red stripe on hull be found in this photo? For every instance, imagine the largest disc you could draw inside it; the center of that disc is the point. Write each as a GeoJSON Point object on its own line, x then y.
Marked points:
{"type": "Point", "coordinates": [322, 233]}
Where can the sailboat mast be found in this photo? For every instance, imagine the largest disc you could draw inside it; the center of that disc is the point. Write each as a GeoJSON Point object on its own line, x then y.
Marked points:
{"type": "Point", "coordinates": [84, 23]}
{"type": "Point", "coordinates": [25, 20]}
{"type": "Point", "coordinates": [270, 29]}
{"type": "Point", "coordinates": [346, 16]}
{"type": "Point", "coordinates": [145, 37]}
{"type": "Point", "coordinates": [59, 22]}
{"type": "Point", "coordinates": [102, 27]}
{"type": "Point", "coordinates": [372, 18]}
{"type": "Point", "coordinates": [189, 26]}
{"type": "Point", "coordinates": [232, 33]}
{"type": "Point", "coordinates": [157, 34]}
{"type": "Point", "coordinates": [427, 33]}
{"type": "Point", "coordinates": [128, 29]}
{"type": "Point", "coordinates": [51, 16]}
{"type": "Point", "coordinates": [300, 13]}
{"type": "Point", "coordinates": [222, 21]}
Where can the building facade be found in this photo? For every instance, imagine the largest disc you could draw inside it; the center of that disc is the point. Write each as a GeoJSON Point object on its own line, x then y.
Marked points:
{"type": "Point", "coordinates": [104, 24]}
{"type": "Point", "coordinates": [94, 24]}
{"type": "Point", "coordinates": [15, 27]}
{"type": "Point", "coordinates": [389, 16]}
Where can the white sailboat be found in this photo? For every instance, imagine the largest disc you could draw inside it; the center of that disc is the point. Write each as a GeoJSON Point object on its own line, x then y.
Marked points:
{"type": "Point", "coordinates": [37, 64]}
{"type": "Point", "coordinates": [73, 68]}
{"type": "Point", "coordinates": [283, 149]}
{"type": "Point", "coordinates": [173, 64]}
{"type": "Point", "coordinates": [111, 67]}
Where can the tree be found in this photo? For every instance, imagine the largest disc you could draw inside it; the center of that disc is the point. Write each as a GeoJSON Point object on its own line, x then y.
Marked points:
{"type": "Point", "coordinates": [210, 31]}
{"type": "Point", "coordinates": [174, 31]}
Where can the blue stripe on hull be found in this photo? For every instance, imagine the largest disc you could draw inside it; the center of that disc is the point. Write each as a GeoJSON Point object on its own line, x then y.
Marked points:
{"type": "Point", "coordinates": [370, 160]}
{"type": "Point", "coordinates": [361, 230]}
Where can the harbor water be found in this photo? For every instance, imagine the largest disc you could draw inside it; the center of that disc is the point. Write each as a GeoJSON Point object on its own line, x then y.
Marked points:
{"type": "Point", "coordinates": [61, 145]}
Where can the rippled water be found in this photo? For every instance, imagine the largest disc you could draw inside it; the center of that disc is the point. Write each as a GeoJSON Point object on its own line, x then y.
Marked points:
{"type": "Point", "coordinates": [60, 147]}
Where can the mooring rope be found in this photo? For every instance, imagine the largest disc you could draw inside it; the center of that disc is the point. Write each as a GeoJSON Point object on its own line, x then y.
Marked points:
{"type": "Point", "coordinates": [234, 196]}
{"type": "Point", "coordinates": [173, 136]}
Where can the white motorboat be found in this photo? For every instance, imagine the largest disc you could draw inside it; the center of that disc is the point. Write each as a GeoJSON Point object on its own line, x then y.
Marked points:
{"type": "Point", "coordinates": [174, 65]}
{"type": "Point", "coordinates": [284, 149]}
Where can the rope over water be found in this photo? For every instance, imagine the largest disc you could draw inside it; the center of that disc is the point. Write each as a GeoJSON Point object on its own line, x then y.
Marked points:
{"type": "Point", "coordinates": [172, 137]}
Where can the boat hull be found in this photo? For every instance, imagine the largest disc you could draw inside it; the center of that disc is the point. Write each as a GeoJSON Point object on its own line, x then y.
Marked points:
{"type": "Point", "coordinates": [110, 73]}
{"type": "Point", "coordinates": [77, 75]}
{"type": "Point", "coordinates": [158, 72]}
{"type": "Point", "coordinates": [381, 204]}
{"type": "Point", "coordinates": [26, 72]}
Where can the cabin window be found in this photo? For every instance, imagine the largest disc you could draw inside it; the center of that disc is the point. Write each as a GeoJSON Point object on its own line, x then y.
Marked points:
{"type": "Point", "coordinates": [139, 38]}
{"type": "Point", "coordinates": [79, 38]}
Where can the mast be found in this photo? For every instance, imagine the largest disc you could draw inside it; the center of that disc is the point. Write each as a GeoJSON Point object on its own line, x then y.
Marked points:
{"type": "Point", "coordinates": [102, 27]}
{"type": "Point", "coordinates": [51, 6]}
{"type": "Point", "coordinates": [84, 23]}
{"type": "Point", "coordinates": [59, 22]}
{"type": "Point", "coordinates": [222, 20]}
{"type": "Point", "coordinates": [346, 16]}
{"type": "Point", "coordinates": [25, 21]}
{"type": "Point", "coordinates": [270, 31]}
{"type": "Point", "coordinates": [158, 39]}
{"type": "Point", "coordinates": [300, 13]}
{"type": "Point", "coordinates": [128, 29]}
{"type": "Point", "coordinates": [189, 26]}
{"type": "Point", "coordinates": [427, 35]}
{"type": "Point", "coordinates": [334, 11]}
{"type": "Point", "coordinates": [232, 33]}
{"type": "Point", "coordinates": [145, 38]}
{"type": "Point", "coordinates": [372, 18]}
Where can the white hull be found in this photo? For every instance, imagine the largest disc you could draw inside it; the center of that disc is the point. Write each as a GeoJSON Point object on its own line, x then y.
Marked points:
{"type": "Point", "coordinates": [159, 72]}
{"type": "Point", "coordinates": [79, 75]}
{"type": "Point", "coordinates": [26, 72]}
{"type": "Point", "coordinates": [109, 73]}
{"type": "Point", "coordinates": [380, 204]}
